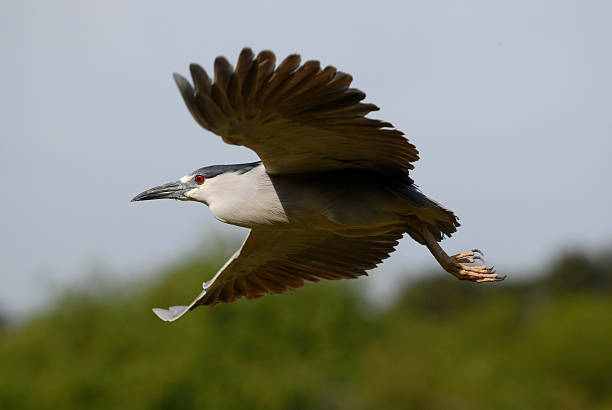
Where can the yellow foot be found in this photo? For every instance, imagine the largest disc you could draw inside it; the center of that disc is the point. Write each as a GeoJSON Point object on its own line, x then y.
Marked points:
{"type": "Point", "coordinates": [480, 273]}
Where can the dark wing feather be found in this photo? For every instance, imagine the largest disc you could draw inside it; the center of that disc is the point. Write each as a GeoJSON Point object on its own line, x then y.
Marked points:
{"type": "Point", "coordinates": [297, 118]}
{"type": "Point", "coordinates": [278, 261]}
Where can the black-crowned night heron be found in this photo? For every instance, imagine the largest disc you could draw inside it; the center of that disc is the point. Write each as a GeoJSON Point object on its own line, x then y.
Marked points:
{"type": "Point", "coordinates": [331, 196]}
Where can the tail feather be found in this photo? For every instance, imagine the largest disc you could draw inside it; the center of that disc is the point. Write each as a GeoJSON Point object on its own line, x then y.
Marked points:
{"type": "Point", "coordinates": [423, 211]}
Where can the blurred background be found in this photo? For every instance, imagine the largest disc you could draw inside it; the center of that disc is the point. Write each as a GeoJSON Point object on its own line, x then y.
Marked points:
{"type": "Point", "coordinates": [510, 106]}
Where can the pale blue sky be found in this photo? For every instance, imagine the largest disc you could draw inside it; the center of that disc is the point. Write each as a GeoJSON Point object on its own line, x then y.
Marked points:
{"type": "Point", "coordinates": [509, 103]}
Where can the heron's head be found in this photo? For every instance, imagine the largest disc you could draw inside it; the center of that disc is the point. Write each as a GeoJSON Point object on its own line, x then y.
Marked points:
{"type": "Point", "coordinates": [201, 185]}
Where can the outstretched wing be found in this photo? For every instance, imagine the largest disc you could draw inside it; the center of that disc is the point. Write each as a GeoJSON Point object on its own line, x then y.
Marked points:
{"type": "Point", "coordinates": [277, 261]}
{"type": "Point", "coordinates": [297, 118]}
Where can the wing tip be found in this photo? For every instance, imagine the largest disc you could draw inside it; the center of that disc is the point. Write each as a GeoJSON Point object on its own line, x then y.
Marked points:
{"type": "Point", "coordinates": [185, 89]}
{"type": "Point", "coordinates": [177, 77]}
{"type": "Point", "coordinates": [195, 66]}
{"type": "Point", "coordinates": [170, 314]}
{"type": "Point", "coordinates": [246, 51]}
{"type": "Point", "coordinates": [181, 82]}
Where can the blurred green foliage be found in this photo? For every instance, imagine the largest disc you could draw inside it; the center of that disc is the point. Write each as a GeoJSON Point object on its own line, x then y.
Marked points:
{"type": "Point", "coordinates": [443, 345]}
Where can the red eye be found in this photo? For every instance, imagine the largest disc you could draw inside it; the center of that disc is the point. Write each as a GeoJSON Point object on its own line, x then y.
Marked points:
{"type": "Point", "coordinates": [199, 179]}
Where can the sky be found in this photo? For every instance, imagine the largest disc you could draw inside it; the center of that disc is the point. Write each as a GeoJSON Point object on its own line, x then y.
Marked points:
{"type": "Point", "coordinates": [509, 104]}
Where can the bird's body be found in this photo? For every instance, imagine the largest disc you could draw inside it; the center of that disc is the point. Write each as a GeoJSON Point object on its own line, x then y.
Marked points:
{"type": "Point", "coordinates": [324, 200]}
{"type": "Point", "coordinates": [331, 196]}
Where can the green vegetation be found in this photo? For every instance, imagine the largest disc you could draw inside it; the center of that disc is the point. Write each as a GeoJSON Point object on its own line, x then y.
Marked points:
{"type": "Point", "coordinates": [443, 345]}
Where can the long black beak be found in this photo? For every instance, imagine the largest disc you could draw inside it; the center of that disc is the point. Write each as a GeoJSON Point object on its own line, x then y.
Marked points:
{"type": "Point", "coordinates": [172, 190]}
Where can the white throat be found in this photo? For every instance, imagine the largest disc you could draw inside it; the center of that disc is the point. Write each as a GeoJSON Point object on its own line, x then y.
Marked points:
{"type": "Point", "coordinates": [245, 199]}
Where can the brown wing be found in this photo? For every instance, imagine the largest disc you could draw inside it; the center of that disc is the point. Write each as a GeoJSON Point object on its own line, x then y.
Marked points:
{"type": "Point", "coordinates": [277, 261]}
{"type": "Point", "coordinates": [297, 118]}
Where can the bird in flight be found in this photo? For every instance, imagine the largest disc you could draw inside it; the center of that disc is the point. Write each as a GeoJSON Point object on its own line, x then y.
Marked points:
{"type": "Point", "coordinates": [331, 196]}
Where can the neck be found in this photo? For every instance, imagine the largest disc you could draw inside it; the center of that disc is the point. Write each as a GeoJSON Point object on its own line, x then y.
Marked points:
{"type": "Point", "coordinates": [244, 198]}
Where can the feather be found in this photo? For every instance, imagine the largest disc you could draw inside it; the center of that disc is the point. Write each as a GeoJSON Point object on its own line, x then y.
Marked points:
{"type": "Point", "coordinates": [201, 80]}
{"type": "Point", "coordinates": [298, 118]}
{"type": "Point", "coordinates": [223, 70]}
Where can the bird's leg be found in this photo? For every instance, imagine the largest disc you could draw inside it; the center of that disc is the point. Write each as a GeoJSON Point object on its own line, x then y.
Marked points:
{"type": "Point", "coordinates": [455, 264]}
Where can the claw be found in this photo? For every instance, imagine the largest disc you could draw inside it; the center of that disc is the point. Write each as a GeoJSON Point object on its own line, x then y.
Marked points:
{"type": "Point", "coordinates": [478, 251]}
